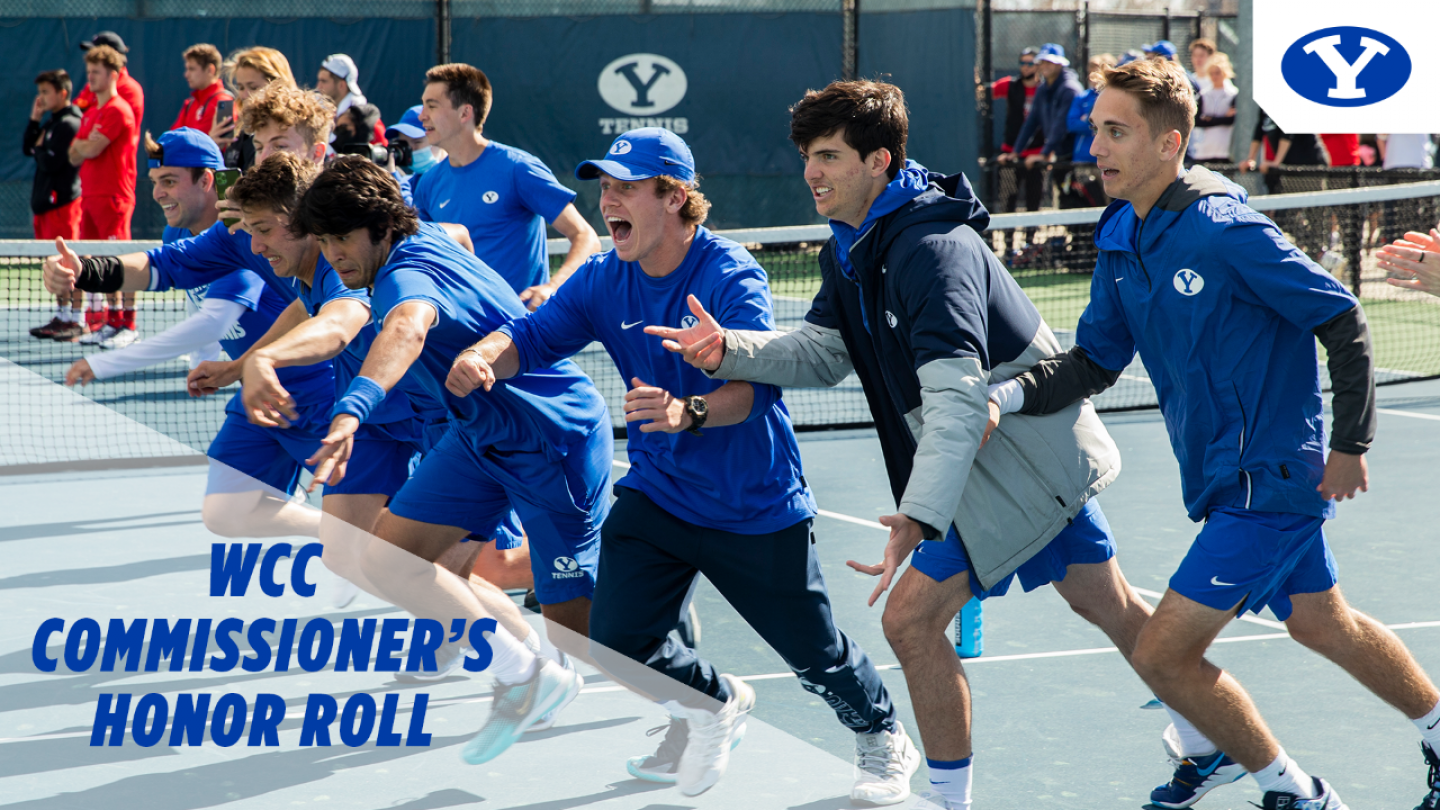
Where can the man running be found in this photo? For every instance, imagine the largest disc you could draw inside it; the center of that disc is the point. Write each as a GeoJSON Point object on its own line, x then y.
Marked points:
{"type": "Point", "coordinates": [1225, 313]}
{"type": "Point", "coordinates": [714, 483]}
{"type": "Point", "coordinates": [913, 300]}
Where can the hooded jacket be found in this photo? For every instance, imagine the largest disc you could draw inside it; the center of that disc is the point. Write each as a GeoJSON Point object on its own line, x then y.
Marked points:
{"type": "Point", "coordinates": [1224, 313]}
{"type": "Point", "coordinates": [1050, 113]}
{"type": "Point", "coordinates": [927, 317]}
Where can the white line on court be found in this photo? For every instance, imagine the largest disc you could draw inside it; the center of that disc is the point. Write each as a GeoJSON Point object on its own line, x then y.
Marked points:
{"type": "Point", "coordinates": [1271, 623]}
{"type": "Point", "coordinates": [1410, 414]}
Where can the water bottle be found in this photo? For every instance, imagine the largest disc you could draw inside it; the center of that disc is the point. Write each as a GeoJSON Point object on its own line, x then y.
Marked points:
{"type": "Point", "coordinates": [969, 623]}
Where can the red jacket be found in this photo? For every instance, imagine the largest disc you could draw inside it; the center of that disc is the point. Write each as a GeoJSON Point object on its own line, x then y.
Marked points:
{"type": "Point", "coordinates": [198, 111]}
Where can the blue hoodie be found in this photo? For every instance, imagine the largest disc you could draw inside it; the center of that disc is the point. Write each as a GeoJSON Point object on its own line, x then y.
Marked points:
{"type": "Point", "coordinates": [1222, 310]}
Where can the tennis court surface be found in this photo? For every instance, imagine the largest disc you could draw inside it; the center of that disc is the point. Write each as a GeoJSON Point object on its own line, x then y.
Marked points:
{"type": "Point", "coordinates": [1058, 721]}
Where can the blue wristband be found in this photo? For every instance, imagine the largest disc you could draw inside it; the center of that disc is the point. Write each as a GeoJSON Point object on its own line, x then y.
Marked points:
{"type": "Point", "coordinates": [363, 396]}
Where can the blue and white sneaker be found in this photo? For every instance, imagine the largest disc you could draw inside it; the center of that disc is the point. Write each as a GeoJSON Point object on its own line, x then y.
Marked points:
{"type": "Point", "coordinates": [663, 765]}
{"type": "Point", "coordinates": [1325, 799]}
{"type": "Point", "coordinates": [517, 707]}
{"type": "Point", "coordinates": [1194, 777]}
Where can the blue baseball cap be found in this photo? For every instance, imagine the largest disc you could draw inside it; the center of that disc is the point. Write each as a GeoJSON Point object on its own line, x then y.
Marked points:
{"type": "Point", "coordinates": [1050, 52]}
{"type": "Point", "coordinates": [641, 154]}
{"type": "Point", "coordinates": [1162, 46]}
{"type": "Point", "coordinates": [188, 147]}
{"type": "Point", "coordinates": [409, 124]}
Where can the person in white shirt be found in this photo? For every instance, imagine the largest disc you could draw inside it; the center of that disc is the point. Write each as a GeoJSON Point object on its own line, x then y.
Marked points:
{"type": "Point", "coordinates": [1210, 140]}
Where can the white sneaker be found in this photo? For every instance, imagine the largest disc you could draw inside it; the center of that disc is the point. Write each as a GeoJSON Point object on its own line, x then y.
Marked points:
{"type": "Point", "coordinates": [884, 763]}
{"type": "Point", "coordinates": [517, 707]}
{"type": "Point", "coordinates": [548, 719]}
{"type": "Point", "coordinates": [96, 338]}
{"type": "Point", "coordinates": [712, 734]}
{"type": "Point", "coordinates": [119, 340]}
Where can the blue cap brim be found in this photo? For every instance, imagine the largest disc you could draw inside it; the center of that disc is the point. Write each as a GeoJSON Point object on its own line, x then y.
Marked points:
{"type": "Point", "coordinates": [591, 169]}
{"type": "Point", "coordinates": [406, 130]}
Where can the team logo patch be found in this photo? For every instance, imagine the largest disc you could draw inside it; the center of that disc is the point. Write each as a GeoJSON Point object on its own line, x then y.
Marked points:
{"type": "Point", "coordinates": [689, 322]}
{"type": "Point", "coordinates": [566, 565]}
{"type": "Point", "coordinates": [620, 148]}
{"type": "Point", "coordinates": [1346, 66]}
{"type": "Point", "coordinates": [890, 318]}
{"type": "Point", "coordinates": [489, 197]}
{"type": "Point", "coordinates": [1189, 282]}
{"type": "Point", "coordinates": [642, 84]}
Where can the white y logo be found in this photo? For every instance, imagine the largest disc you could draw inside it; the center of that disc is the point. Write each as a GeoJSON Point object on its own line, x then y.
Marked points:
{"type": "Point", "coordinates": [1188, 282]}
{"type": "Point", "coordinates": [1345, 72]}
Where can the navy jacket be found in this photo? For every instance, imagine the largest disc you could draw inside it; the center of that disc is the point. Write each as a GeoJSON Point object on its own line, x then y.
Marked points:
{"type": "Point", "coordinates": [1050, 112]}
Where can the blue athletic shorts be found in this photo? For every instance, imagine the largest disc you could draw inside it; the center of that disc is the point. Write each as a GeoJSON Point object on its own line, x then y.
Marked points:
{"type": "Point", "coordinates": [561, 503]}
{"type": "Point", "coordinates": [379, 462]}
{"type": "Point", "coordinates": [1255, 560]}
{"type": "Point", "coordinates": [1086, 540]}
{"type": "Point", "coordinates": [509, 534]}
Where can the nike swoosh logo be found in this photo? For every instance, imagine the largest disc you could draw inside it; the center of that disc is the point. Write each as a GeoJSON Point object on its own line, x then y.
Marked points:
{"type": "Point", "coordinates": [1121, 278]}
{"type": "Point", "coordinates": [1211, 769]}
{"type": "Point", "coordinates": [1216, 581]}
{"type": "Point", "coordinates": [442, 205]}
{"type": "Point", "coordinates": [624, 325]}
{"type": "Point", "coordinates": [1432, 725]}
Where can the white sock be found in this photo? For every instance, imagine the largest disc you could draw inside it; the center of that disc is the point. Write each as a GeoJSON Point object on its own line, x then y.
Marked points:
{"type": "Point", "coordinates": [1429, 726]}
{"type": "Point", "coordinates": [539, 644]}
{"type": "Point", "coordinates": [1285, 776]}
{"type": "Point", "coordinates": [1192, 742]}
{"type": "Point", "coordinates": [952, 780]}
{"type": "Point", "coordinates": [74, 315]}
{"type": "Point", "coordinates": [512, 661]}
{"type": "Point", "coordinates": [62, 312]}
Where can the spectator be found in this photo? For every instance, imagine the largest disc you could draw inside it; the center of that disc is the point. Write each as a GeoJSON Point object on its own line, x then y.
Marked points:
{"type": "Point", "coordinates": [1083, 186]}
{"type": "Point", "coordinates": [1201, 50]}
{"type": "Point", "coordinates": [1281, 149]}
{"type": "Point", "coordinates": [1409, 151]}
{"type": "Point", "coordinates": [1019, 93]}
{"type": "Point", "coordinates": [1344, 150]}
{"type": "Point", "coordinates": [1165, 49]}
{"type": "Point", "coordinates": [1215, 123]}
{"type": "Point", "coordinates": [1052, 107]}
{"type": "Point", "coordinates": [502, 195]}
{"type": "Point", "coordinates": [202, 73]}
{"type": "Point", "coordinates": [102, 149]}
{"type": "Point", "coordinates": [55, 192]}
{"type": "Point", "coordinates": [339, 81]}
{"type": "Point", "coordinates": [130, 89]}
{"type": "Point", "coordinates": [412, 133]}
{"type": "Point", "coordinates": [248, 72]}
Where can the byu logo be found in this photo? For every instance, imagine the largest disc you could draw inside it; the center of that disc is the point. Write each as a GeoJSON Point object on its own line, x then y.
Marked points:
{"type": "Point", "coordinates": [1189, 282]}
{"type": "Point", "coordinates": [566, 564]}
{"type": "Point", "coordinates": [490, 197]}
{"type": "Point", "coordinates": [890, 317]}
{"type": "Point", "coordinates": [620, 148]}
{"type": "Point", "coordinates": [642, 84]}
{"type": "Point", "coordinates": [688, 322]}
{"type": "Point", "coordinates": [1346, 66]}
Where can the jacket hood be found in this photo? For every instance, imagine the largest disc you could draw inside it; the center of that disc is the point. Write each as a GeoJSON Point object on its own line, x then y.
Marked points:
{"type": "Point", "coordinates": [908, 183]}
{"type": "Point", "coordinates": [1119, 226]}
{"type": "Point", "coordinates": [947, 199]}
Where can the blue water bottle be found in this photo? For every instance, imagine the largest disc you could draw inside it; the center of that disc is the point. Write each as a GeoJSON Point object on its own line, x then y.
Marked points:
{"type": "Point", "coordinates": [969, 624]}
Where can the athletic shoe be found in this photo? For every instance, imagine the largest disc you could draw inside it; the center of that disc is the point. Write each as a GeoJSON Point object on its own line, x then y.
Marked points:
{"type": "Point", "coordinates": [531, 603]}
{"type": "Point", "coordinates": [548, 719]}
{"type": "Point", "coordinates": [1432, 799]}
{"type": "Point", "coordinates": [450, 657]}
{"type": "Point", "coordinates": [1325, 799]}
{"type": "Point", "coordinates": [517, 707]}
{"type": "Point", "coordinates": [97, 337]}
{"type": "Point", "coordinates": [68, 332]}
{"type": "Point", "coordinates": [930, 800]}
{"type": "Point", "coordinates": [1194, 777]}
{"type": "Point", "coordinates": [884, 763]}
{"type": "Point", "coordinates": [48, 329]}
{"type": "Point", "coordinates": [121, 338]}
{"type": "Point", "coordinates": [664, 765]}
{"type": "Point", "coordinates": [711, 736]}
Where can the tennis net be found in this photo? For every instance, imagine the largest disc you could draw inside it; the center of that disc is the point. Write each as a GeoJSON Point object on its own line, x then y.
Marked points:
{"type": "Point", "coordinates": [1050, 253]}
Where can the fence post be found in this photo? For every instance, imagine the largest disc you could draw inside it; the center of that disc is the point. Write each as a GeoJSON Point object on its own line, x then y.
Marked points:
{"type": "Point", "coordinates": [984, 101]}
{"type": "Point", "coordinates": [850, 36]}
{"type": "Point", "coordinates": [442, 32]}
{"type": "Point", "coordinates": [1166, 29]}
{"type": "Point", "coordinates": [1082, 38]}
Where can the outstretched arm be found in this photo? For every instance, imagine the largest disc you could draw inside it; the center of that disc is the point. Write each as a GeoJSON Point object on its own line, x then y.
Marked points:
{"type": "Point", "coordinates": [1053, 384]}
{"type": "Point", "coordinates": [65, 271]}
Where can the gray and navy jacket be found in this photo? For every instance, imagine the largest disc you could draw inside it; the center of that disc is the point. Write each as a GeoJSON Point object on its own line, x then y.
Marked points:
{"type": "Point", "coordinates": [1225, 313]}
{"type": "Point", "coordinates": [927, 318]}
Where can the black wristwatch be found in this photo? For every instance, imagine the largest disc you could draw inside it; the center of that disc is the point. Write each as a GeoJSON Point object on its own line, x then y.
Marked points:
{"type": "Point", "coordinates": [699, 411]}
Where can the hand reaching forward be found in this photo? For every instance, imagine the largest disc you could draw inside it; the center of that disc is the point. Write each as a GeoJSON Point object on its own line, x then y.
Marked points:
{"type": "Point", "coordinates": [905, 536]}
{"type": "Point", "coordinates": [703, 344]}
